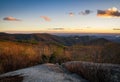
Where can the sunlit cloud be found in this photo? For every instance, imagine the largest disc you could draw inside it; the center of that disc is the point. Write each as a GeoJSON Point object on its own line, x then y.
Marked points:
{"type": "Point", "coordinates": [71, 14]}
{"type": "Point", "coordinates": [109, 13]}
{"type": "Point", "coordinates": [116, 28]}
{"type": "Point", "coordinates": [86, 12]}
{"type": "Point", "coordinates": [10, 18]}
{"type": "Point", "coordinates": [46, 18]}
{"type": "Point", "coordinates": [58, 28]}
{"type": "Point", "coordinates": [79, 29]}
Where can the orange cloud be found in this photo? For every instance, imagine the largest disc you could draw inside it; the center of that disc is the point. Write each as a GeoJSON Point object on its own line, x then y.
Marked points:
{"type": "Point", "coordinates": [10, 18]}
{"type": "Point", "coordinates": [116, 28]}
{"type": "Point", "coordinates": [71, 14]}
{"type": "Point", "coordinates": [46, 18]}
{"type": "Point", "coordinates": [58, 28]}
{"type": "Point", "coordinates": [109, 13]}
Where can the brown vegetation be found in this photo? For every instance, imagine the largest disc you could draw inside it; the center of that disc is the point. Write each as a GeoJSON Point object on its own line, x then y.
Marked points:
{"type": "Point", "coordinates": [107, 53]}
{"type": "Point", "coordinates": [95, 72]}
{"type": "Point", "coordinates": [14, 55]}
{"type": "Point", "coordinates": [16, 78]}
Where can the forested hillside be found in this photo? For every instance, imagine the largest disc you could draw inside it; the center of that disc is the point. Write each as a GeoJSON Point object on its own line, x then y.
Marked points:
{"type": "Point", "coordinates": [23, 50]}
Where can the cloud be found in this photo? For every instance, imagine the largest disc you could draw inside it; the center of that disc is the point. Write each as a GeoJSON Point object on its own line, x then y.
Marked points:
{"type": "Point", "coordinates": [71, 14]}
{"type": "Point", "coordinates": [46, 18]}
{"type": "Point", "coordinates": [79, 29]}
{"type": "Point", "coordinates": [86, 12]}
{"type": "Point", "coordinates": [116, 28]}
{"type": "Point", "coordinates": [109, 13]}
{"type": "Point", "coordinates": [58, 28]}
{"type": "Point", "coordinates": [10, 18]}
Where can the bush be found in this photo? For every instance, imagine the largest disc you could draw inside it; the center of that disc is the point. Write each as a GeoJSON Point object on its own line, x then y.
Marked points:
{"type": "Point", "coordinates": [53, 58]}
{"type": "Point", "coordinates": [95, 72]}
{"type": "Point", "coordinates": [45, 58]}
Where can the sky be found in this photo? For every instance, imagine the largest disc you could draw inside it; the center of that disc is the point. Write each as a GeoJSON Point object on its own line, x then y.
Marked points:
{"type": "Point", "coordinates": [60, 16]}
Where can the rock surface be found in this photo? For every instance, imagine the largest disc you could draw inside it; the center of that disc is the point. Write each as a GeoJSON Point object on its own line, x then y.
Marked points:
{"type": "Point", "coordinates": [45, 73]}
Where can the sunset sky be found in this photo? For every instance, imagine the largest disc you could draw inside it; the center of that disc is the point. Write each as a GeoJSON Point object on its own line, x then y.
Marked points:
{"type": "Point", "coordinates": [60, 16]}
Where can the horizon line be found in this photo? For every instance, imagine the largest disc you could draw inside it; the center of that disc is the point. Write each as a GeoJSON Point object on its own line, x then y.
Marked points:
{"type": "Point", "coordinates": [32, 32]}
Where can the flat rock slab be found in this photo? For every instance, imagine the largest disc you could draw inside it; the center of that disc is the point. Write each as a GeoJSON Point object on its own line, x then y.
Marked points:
{"type": "Point", "coordinates": [44, 73]}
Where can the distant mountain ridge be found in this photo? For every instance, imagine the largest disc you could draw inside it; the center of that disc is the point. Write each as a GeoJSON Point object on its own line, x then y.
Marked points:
{"type": "Point", "coordinates": [44, 37]}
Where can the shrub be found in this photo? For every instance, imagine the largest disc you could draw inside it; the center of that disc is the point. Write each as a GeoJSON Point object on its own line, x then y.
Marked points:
{"type": "Point", "coordinates": [45, 58]}
{"type": "Point", "coordinates": [95, 72]}
{"type": "Point", "coordinates": [53, 58]}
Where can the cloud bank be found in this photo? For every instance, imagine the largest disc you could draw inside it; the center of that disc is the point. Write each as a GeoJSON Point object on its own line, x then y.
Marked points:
{"type": "Point", "coordinates": [10, 18]}
{"type": "Point", "coordinates": [46, 18]}
{"type": "Point", "coordinates": [109, 13]}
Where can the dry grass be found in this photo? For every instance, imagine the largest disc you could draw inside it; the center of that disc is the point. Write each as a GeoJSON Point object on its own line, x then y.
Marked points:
{"type": "Point", "coordinates": [95, 72]}
{"type": "Point", "coordinates": [14, 55]}
{"type": "Point", "coordinates": [109, 53]}
{"type": "Point", "coordinates": [16, 78]}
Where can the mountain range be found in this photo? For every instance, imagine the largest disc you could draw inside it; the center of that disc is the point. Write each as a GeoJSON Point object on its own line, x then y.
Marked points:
{"type": "Point", "coordinates": [64, 40]}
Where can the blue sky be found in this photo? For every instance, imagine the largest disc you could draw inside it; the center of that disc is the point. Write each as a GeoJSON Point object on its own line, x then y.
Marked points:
{"type": "Point", "coordinates": [59, 16]}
